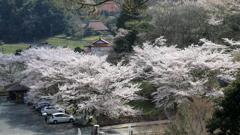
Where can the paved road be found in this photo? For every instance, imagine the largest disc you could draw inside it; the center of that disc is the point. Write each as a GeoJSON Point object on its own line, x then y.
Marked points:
{"type": "Point", "coordinates": [20, 119]}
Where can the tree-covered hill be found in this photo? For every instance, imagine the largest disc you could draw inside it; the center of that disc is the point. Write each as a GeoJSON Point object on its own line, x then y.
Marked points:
{"type": "Point", "coordinates": [22, 20]}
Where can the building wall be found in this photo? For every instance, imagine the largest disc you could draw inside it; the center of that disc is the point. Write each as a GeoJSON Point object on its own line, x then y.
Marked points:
{"type": "Point", "coordinates": [18, 96]}
{"type": "Point", "coordinates": [98, 50]}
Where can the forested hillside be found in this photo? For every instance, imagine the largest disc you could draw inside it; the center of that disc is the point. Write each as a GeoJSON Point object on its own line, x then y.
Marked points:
{"type": "Point", "coordinates": [21, 20]}
{"type": "Point", "coordinates": [180, 22]}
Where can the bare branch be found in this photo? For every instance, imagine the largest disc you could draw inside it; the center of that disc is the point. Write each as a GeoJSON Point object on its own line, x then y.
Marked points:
{"type": "Point", "coordinates": [89, 6]}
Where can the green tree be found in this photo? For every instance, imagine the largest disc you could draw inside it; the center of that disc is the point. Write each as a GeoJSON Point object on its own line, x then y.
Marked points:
{"type": "Point", "coordinates": [105, 13]}
{"type": "Point", "coordinates": [72, 24]}
{"type": "Point", "coordinates": [79, 35]}
{"type": "Point", "coordinates": [226, 119]}
{"type": "Point", "coordinates": [23, 20]}
{"type": "Point", "coordinates": [78, 49]}
{"type": "Point", "coordinates": [128, 14]}
{"type": "Point", "coordinates": [18, 52]}
{"type": "Point", "coordinates": [1, 43]}
{"type": "Point", "coordinates": [89, 31]}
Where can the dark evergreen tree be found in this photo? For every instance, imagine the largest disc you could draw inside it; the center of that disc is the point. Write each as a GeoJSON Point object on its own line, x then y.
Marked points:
{"type": "Point", "coordinates": [226, 118]}
{"type": "Point", "coordinates": [128, 14]}
{"type": "Point", "coordinates": [78, 49]}
{"type": "Point", "coordinates": [89, 31]}
{"type": "Point", "coordinates": [22, 20]}
{"type": "Point", "coordinates": [18, 52]}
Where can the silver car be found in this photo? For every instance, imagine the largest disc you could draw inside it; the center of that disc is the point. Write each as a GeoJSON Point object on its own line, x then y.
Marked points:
{"type": "Point", "coordinates": [51, 109]}
{"type": "Point", "coordinates": [60, 117]}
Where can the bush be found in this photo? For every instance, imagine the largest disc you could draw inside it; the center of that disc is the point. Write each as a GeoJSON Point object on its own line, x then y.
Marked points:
{"type": "Point", "coordinates": [225, 119]}
{"type": "Point", "coordinates": [89, 31]}
{"type": "Point", "coordinates": [79, 35]}
{"type": "Point", "coordinates": [78, 49]}
{"type": "Point", "coordinates": [105, 13]}
{"type": "Point", "coordinates": [98, 33]}
{"type": "Point", "coordinates": [190, 118]}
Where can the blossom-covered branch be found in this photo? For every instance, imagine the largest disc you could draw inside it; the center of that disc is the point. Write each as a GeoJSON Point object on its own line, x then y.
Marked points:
{"type": "Point", "coordinates": [180, 73]}
{"type": "Point", "coordinates": [80, 81]}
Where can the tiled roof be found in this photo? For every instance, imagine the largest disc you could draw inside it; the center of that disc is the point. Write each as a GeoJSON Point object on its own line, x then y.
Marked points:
{"type": "Point", "coordinates": [15, 87]}
{"type": "Point", "coordinates": [110, 6]}
{"type": "Point", "coordinates": [100, 41]}
{"type": "Point", "coordinates": [97, 25]}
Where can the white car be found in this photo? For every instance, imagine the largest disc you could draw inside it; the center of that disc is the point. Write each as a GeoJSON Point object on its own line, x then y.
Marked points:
{"type": "Point", "coordinates": [60, 117]}
{"type": "Point", "coordinates": [38, 105]}
{"type": "Point", "coordinates": [51, 109]}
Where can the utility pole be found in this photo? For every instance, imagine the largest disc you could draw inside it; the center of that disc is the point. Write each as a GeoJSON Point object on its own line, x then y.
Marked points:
{"type": "Point", "coordinates": [1, 44]}
{"type": "Point", "coordinates": [51, 31]}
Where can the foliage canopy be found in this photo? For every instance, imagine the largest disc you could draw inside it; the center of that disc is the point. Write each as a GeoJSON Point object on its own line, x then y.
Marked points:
{"type": "Point", "coordinates": [225, 119]}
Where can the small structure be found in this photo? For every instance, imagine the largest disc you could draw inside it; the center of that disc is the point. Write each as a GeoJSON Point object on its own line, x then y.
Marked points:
{"type": "Point", "coordinates": [97, 25]}
{"type": "Point", "coordinates": [16, 92]}
{"type": "Point", "coordinates": [99, 47]}
{"type": "Point", "coordinates": [110, 6]}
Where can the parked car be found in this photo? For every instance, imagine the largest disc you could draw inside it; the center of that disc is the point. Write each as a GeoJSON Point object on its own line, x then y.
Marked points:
{"type": "Point", "coordinates": [51, 109]}
{"type": "Point", "coordinates": [40, 104]}
{"type": "Point", "coordinates": [43, 105]}
{"type": "Point", "coordinates": [40, 99]}
{"type": "Point", "coordinates": [34, 102]}
{"type": "Point", "coordinates": [45, 97]}
{"type": "Point", "coordinates": [60, 117]}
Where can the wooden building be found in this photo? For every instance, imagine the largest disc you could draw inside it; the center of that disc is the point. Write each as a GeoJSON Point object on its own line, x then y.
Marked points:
{"type": "Point", "coordinates": [110, 6]}
{"type": "Point", "coordinates": [96, 25]}
{"type": "Point", "coordinates": [99, 47]}
{"type": "Point", "coordinates": [16, 92]}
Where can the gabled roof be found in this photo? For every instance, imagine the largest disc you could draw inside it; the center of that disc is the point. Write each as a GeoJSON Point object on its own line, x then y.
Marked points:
{"type": "Point", "coordinates": [15, 87]}
{"type": "Point", "coordinates": [111, 6]}
{"type": "Point", "coordinates": [97, 25]}
{"type": "Point", "coordinates": [99, 41]}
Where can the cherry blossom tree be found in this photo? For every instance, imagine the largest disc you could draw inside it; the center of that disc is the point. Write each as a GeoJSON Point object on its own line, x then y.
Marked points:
{"type": "Point", "coordinates": [80, 81]}
{"type": "Point", "coordinates": [181, 73]}
{"type": "Point", "coordinates": [9, 67]}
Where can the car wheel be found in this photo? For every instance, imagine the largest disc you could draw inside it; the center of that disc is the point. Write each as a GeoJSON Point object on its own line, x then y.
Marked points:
{"type": "Point", "coordinates": [55, 122]}
{"type": "Point", "coordinates": [71, 120]}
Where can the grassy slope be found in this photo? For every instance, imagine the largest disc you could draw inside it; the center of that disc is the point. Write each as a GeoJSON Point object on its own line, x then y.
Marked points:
{"type": "Point", "coordinates": [146, 106]}
{"type": "Point", "coordinates": [11, 48]}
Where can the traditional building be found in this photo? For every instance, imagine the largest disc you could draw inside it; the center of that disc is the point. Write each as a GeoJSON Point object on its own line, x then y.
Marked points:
{"type": "Point", "coordinates": [16, 92]}
{"type": "Point", "coordinates": [99, 47]}
{"type": "Point", "coordinates": [110, 6]}
{"type": "Point", "coordinates": [97, 25]}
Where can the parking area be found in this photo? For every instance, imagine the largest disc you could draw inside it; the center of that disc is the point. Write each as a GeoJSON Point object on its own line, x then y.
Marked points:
{"type": "Point", "coordinates": [20, 119]}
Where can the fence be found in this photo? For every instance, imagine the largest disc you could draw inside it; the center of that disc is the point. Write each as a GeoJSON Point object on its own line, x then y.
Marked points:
{"type": "Point", "coordinates": [148, 133]}
{"type": "Point", "coordinates": [104, 121]}
{"type": "Point", "coordinates": [96, 131]}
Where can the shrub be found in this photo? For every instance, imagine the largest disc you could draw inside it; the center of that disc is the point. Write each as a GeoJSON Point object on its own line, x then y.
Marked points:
{"type": "Point", "coordinates": [190, 118]}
